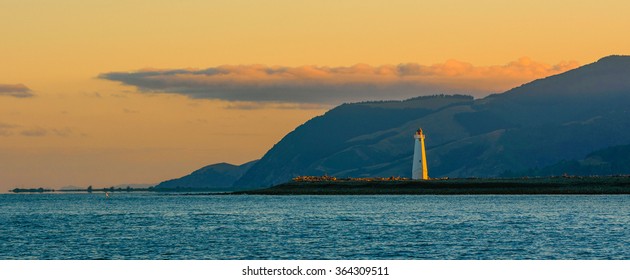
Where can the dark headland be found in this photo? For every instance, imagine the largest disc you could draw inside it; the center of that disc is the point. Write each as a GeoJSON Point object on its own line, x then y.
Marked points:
{"type": "Point", "coordinates": [468, 186]}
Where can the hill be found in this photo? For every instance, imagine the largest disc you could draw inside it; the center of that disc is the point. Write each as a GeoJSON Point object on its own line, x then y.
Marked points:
{"type": "Point", "coordinates": [609, 161]}
{"type": "Point", "coordinates": [215, 177]}
{"type": "Point", "coordinates": [562, 117]}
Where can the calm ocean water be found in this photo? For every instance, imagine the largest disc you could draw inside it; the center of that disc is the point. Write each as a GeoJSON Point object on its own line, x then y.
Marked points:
{"type": "Point", "coordinates": [156, 226]}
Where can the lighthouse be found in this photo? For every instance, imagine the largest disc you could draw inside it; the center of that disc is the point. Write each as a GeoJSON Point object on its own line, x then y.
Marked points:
{"type": "Point", "coordinates": [419, 169]}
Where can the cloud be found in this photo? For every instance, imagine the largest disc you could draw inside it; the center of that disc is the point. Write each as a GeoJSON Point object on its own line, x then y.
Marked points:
{"type": "Point", "coordinates": [94, 94]}
{"type": "Point", "coordinates": [250, 105]}
{"type": "Point", "coordinates": [40, 132]}
{"type": "Point", "coordinates": [17, 90]}
{"type": "Point", "coordinates": [34, 132]}
{"type": "Point", "coordinates": [332, 85]}
{"type": "Point", "coordinates": [6, 129]}
{"type": "Point", "coordinates": [63, 132]}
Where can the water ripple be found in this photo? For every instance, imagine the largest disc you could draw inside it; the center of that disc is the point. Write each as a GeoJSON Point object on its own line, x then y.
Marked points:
{"type": "Point", "coordinates": [149, 226]}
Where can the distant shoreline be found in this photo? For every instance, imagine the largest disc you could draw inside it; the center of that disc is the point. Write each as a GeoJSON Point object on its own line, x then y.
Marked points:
{"type": "Point", "coordinates": [570, 185]}
{"type": "Point", "coordinates": [472, 186]}
{"type": "Point", "coordinates": [87, 190]}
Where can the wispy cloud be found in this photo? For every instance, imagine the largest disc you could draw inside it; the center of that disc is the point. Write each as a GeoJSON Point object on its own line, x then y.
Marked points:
{"type": "Point", "coordinates": [251, 105]}
{"type": "Point", "coordinates": [331, 85]}
{"type": "Point", "coordinates": [41, 132]}
{"type": "Point", "coordinates": [16, 90]}
{"type": "Point", "coordinates": [6, 129]}
{"type": "Point", "coordinates": [62, 132]}
{"type": "Point", "coordinates": [34, 132]}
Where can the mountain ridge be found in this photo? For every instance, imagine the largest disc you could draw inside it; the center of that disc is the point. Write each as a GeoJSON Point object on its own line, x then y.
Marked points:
{"type": "Point", "coordinates": [217, 177]}
{"type": "Point", "coordinates": [530, 126]}
{"type": "Point", "coordinates": [559, 118]}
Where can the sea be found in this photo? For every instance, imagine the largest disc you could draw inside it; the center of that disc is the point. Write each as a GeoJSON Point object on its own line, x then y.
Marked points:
{"type": "Point", "coordinates": [133, 226]}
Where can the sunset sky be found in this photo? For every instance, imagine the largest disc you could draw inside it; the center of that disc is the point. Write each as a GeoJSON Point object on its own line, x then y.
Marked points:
{"type": "Point", "coordinates": [139, 91]}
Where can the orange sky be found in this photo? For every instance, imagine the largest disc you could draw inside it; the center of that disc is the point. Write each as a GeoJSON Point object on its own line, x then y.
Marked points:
{"type": "Point", "coordinates": [63, 121]}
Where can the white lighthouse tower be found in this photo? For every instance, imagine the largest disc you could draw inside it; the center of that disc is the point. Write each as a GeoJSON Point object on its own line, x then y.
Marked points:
{"type": "Point", "coordinates": [419, 169]}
